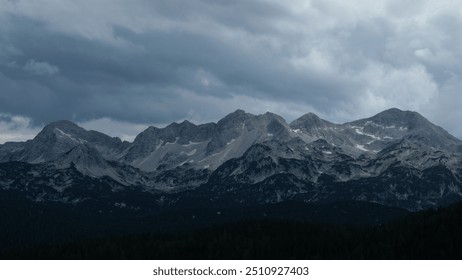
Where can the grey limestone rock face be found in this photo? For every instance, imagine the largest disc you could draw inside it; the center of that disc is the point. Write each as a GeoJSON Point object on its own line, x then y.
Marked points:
{"type": "Point", "coordinates": [204, 146]}
{"type": "Point", "coordinates": [207, 146]}
{"type": "Point", "coordinates": [58, 138]}
{"type": "Point", "coordinates": [371, 135]}
{"type": "Point", "coordinates": [310, 123]}
{"type": "Point", "coordinates": [153, 138]}
{"type": "Point", "coordinates": [405, 159]}
{"type": "Point", "coordinates": [9, 149]}
{"type": "Point", "coordinates": [83, 156]}
{"type": "Point", "coordinates": [394, 124]}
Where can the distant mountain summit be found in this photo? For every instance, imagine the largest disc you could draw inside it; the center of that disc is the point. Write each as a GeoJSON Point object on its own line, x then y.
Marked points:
{"type": "Point", "coordinates": [395, 158]}
{"type": "Point", "coordinates": [310, 123]}
{"type": "Point", "coordinates": [409, 125]}
{"type": "Point", "coordinates": [58, 138]}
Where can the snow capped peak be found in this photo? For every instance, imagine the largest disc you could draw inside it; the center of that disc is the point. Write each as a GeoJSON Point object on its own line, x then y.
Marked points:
{"type": "Point", "coordinates": [69, 136]}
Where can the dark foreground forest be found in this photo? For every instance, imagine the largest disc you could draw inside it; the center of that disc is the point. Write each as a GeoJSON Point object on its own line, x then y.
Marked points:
{"type": "Point", "coordinates": [432, 234]}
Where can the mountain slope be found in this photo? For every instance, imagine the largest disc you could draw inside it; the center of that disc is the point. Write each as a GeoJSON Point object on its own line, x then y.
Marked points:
{"type": "Point", "coordinates": [203, 146]}
{"type": "Point", "coordinates": [58, 138]}
{"type": "Point", "coordinates": [395, 158]}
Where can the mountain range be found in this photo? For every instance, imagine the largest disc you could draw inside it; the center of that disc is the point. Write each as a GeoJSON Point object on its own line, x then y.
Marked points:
{"type": "Point", "coordinates": [393, 159]}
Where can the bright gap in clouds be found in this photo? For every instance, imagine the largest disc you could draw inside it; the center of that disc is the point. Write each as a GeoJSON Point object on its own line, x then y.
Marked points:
{"type": "Point", "coordinates": [142, 63]}
{"type": "Point", "coordinates": [20, 128]}
{"type": "Point", "coordinates": [16, 128]}
{"type": "Point", "coordinates": [124, 130]}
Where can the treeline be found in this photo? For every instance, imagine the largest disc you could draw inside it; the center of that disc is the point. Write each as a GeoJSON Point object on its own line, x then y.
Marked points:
{"type": "Point", "coordinates": [433, 234]}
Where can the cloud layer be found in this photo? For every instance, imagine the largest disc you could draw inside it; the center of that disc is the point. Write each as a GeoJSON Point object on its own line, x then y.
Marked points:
{"type": "Point", "coordinates": [149, 62]}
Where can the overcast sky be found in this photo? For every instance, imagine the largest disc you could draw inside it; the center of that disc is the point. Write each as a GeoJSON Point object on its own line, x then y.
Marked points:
{"type": "Point", "coordinates": [119, 65]}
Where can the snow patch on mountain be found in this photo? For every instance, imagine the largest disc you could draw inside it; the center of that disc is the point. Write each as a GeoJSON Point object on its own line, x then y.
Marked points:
{"type": "Point", "coordinates": [69, 136]}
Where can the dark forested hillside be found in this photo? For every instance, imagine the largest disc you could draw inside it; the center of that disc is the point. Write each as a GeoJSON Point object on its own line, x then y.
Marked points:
{"type": "Point", "coordinates": [433, 234]}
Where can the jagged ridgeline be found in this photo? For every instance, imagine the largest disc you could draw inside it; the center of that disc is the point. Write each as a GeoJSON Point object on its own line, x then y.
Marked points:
{"type": "Point", "coordinates": [70, 184]}
{"type": "Point", "coordinates": [395, 158]}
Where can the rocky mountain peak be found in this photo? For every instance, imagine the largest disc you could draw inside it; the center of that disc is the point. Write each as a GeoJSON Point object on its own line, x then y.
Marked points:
{"type": "Point", "coordinates": [59, 137]}
{"type": "Point", "coordinates": [60, 128]}
{"type": "Point", "coordinates": [182, 125]}
{"type": "Point", "coordinates": [309, 121]}
{"type": "Point", "coordinates": [396, 158]}
{"type": "Point", "coordinates": [403, 119]}
{"type": "Point", "coordinates": [273, 116]}
{"type": "Point", "coordinates": [64, 124]}
{"type": "Point", "coordinates": [234, 119]}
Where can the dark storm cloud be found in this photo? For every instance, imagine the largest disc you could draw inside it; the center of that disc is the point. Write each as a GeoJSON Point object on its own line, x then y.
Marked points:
{"type": "Point", "coordinates": [92, 74]}
{"type": "Point", "coordinates": [162, 61]}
